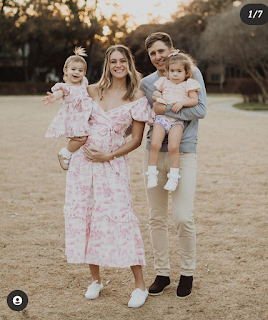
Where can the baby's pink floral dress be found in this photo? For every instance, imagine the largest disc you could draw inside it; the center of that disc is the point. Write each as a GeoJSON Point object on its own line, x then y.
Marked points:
{"type": "Point", "coordinates": [100, 225]}
{"type": "Point", "coordinates": [72, 118]}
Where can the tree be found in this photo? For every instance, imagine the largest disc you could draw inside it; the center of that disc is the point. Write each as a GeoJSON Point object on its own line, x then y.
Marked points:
{"type": "Point", "coordinates": [229, 40]}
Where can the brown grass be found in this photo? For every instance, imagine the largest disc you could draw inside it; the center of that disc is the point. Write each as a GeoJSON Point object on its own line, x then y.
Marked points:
{"type": "Point", "coordinates": [231, 204]}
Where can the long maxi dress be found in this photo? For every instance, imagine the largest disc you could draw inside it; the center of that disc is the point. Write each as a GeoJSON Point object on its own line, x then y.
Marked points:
{"type": "Point", "coordinates": [100, 226]}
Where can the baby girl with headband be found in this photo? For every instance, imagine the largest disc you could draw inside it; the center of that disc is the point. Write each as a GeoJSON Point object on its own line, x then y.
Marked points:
{"type": "Point", "coordinates": [72, 119]}
{"type": "Point", "coordinates": [179, 90]}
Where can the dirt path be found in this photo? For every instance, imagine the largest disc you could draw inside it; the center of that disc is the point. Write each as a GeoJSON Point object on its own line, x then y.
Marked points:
{"type": "Point", "coordinates": [231, 206]}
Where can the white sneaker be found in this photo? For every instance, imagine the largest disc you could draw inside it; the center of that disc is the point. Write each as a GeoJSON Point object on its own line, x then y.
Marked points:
{"type": "Point", "coordinates": [152, 179]}
{"type": "Point", "coordinates": [138, 298]}
{"type": "Point", "coordinates": [93, 291]}
{"type": "Point", "coordinates": [172, 182]}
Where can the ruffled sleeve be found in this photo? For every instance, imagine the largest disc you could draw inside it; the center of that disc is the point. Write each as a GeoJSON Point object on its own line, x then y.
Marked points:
{"type": "Point", "coordinates": [141, 111]}
{"type": "Point", "coordinates": [159, 84]}
{"type": "Point", "coordinates": [192, 85]}
{"type": "Point", "coordinates": [61, 86]}
{"type": "Point", "coordinates": [85, 82]}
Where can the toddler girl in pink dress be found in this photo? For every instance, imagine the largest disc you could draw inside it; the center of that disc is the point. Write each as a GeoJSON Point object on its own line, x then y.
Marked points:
{"type": "Point", "coordinates": [72, 119]}
{"type": "Point", "coordinates": [179, 90]}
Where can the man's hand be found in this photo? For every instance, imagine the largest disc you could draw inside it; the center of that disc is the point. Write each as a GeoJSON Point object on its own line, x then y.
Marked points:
{"type": "Point", "coordinates": [159, 108]}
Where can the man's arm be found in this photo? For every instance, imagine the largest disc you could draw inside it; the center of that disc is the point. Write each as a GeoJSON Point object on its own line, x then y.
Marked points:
{"type": "Point", "coordinates": [190, 113]}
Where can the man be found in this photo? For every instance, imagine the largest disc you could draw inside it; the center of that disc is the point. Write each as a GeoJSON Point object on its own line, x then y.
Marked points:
{"type": "Point", "coordinates": [159, 45]}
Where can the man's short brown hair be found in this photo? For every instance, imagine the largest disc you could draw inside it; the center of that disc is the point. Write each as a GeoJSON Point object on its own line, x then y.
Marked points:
{"type": "Point", "coordinates": [156, 36]}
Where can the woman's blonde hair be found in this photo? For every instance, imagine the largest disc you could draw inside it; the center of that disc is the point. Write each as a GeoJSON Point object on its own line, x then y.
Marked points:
{"type": "Point", "coordinates": [133, 76]}
{"type": "Point", "coordinates": [185, 59]}
{"type": "Point", "coordinates": [79, 53]}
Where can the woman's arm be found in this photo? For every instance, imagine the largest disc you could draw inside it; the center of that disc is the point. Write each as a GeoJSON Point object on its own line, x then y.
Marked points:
{"type": "Point", "coordinates": [135, 142]}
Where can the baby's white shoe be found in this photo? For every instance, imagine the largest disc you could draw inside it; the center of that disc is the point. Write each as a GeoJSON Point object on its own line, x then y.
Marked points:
{"type": "Point", "coordinates": [93, 291]}
{"type": "Point", "coordinates": [161, 100]}
{"type": "Point", "coordinates": [138, 298]}
{"type": "Point", "coordinates": [151, 179]}
{"type": "Point", "coordinates": [172, 182]}
{"type": "Point", "coordinates": [64, 159]}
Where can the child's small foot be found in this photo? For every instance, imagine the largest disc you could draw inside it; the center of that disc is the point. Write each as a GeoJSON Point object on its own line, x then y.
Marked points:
{"type": "Point", "coordinates": [161, 100]}
{"type": "Point", "coordinates": [152, 179]}
{"type": "Point", "coordinates": [63, 159]}
{"type": "Point", "coordinates": [172, 182]}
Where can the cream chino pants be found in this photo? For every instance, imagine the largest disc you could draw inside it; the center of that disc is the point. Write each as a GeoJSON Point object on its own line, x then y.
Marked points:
{"type": "Point", "coordinates": [182, 207]}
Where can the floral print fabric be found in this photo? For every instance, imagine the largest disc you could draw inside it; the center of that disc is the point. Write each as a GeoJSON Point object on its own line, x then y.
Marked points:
{"type": "Point", "coordinates": [72, 119]}
{"type": "Point", "coordinates": [101, 227]}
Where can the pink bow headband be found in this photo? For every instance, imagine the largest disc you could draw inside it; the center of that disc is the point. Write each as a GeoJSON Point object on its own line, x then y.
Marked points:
{"type": "Point", "coordinates": [174, 53]}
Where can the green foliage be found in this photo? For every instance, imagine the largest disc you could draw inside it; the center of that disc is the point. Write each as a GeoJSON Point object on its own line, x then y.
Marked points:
{"type": "Point", "coordinates": [252, 106]}
{"type": "Point", "coordinates": [43, 34]}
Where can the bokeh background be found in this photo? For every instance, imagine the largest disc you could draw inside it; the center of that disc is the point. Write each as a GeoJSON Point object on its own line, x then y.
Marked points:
{"type": "Point", "coordinates": [37, 36]}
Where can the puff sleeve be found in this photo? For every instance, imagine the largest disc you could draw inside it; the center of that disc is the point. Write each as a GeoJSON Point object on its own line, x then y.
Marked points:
{"type": "Point", "coordinates": [159, 84]}
{"type": "Point", "coordinates": [85, 82]}
{"type": "Point", "coordinates": [193, 85]}
{"type": "Point", "coordinates": [61, 86]}
{"type": "Point", "coordinates": [141, 111]}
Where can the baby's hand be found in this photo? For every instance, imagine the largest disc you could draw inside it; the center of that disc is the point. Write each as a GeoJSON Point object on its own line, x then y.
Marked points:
{"type": "Point", "coordinates": [49, 99]}
{"type": "Point", "coordinates": [177, 107]}
{"type": "Point", "coordinates": [156, 94]}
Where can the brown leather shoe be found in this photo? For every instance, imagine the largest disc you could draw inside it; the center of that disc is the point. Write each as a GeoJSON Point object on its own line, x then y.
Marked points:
{"type": "Point", "coordinates": [185, 286]}
{"type": "Point", "coordinates": [63, 164]}
{"type": "Point", "coordinates": [160, 283]}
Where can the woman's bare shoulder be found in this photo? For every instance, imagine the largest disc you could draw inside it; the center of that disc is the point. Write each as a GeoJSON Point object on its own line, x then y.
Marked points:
{"type": "Point", "coordinates": [93, 90]}
{"type": "Point", "coordinates": [138, 94]}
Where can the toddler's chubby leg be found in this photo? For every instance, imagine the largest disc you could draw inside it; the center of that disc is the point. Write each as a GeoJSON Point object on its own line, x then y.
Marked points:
{"type": "Point", "coordinates": [174, 139]}
{"type": "Point", "coordinates": [65, 153]}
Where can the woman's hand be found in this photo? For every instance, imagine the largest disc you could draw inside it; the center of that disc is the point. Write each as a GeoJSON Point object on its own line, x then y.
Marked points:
{"type": "Point", "coordinates": [95, 155]}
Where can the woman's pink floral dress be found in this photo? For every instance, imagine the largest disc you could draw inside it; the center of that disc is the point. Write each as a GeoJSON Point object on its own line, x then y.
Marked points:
{"type": "Point", "coordinates": [100, 225]}
{"type": "Point", "coordinates": [72, 118]}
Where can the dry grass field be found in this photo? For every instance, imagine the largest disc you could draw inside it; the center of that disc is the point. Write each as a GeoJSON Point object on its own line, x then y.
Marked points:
{"type": "Point", "coordinates": [231, 210]}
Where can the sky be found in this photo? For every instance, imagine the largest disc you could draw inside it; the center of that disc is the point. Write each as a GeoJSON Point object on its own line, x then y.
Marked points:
{"type": "Point", "coordinates": [142, 10]}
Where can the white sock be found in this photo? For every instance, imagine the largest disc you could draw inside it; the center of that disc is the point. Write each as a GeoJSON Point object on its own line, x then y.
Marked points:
{"type": "Point", "coordinates": [66, 153]}
{"type": "Point", "coordinates": [152, 168]}
{"type": "Point", "coordinates": [174, 171]}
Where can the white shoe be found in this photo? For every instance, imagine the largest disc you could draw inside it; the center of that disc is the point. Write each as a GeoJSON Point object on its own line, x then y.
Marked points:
{"type": "Point", "coordinates": [63, 160]}
{"type": "Point", "coordinates": [93, 291]}
{"type": "Point", "coordinates": [172, 182]}
{"type": "Point", "coordinates": [138, 298]}
{"type": "Point", "coordinates": [152, 179]}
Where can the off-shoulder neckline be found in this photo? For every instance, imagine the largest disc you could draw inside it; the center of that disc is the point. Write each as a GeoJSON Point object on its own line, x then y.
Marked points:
{"type": "Point", "coordinates": [122, 105]}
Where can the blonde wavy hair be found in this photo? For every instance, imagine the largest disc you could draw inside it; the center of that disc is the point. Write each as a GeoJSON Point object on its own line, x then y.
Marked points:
{"type": "Point", "coordinates": [185, 59]}
{"type": "Point", "coordinates": [79, 53]}
{"type": "Point", "coordinates": [133, 76]}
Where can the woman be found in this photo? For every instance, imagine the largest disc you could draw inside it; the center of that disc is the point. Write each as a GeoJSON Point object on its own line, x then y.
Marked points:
{"type": "Point", "coordinates": [101, 229]}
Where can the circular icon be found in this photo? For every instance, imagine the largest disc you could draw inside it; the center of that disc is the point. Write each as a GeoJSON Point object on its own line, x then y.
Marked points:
{"type": "Point", "coordinates": [17, 300]}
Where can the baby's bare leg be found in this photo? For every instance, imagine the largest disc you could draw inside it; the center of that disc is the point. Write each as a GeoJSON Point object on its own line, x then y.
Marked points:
{"type": "Point", "coordinates": [174, 140]}
{"type": "Point", "coordinates": [158, 136]}
{"type": "Point", "coordinates": [75, 144]}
